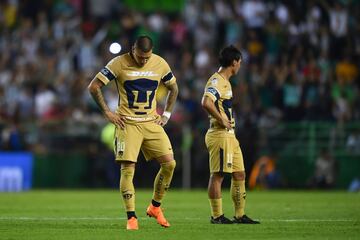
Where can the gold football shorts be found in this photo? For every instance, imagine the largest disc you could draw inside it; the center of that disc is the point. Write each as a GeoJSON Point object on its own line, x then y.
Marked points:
{"type": "Point", "coordinates": [224, 151]}
{"type": "Point", "coordinates": [150, 137]}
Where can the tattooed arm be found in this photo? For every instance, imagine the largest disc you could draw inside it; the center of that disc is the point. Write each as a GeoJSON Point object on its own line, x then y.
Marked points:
{"type": "Point", "coordinates": [171, 98]}
{"type": "Point", "coordinates": [95, 91]}
{"type": "Point", "coordinates": [170, 102]}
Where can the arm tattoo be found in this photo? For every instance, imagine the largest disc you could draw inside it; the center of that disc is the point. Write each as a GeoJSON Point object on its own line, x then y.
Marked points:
{"type": "Point", "coordinates": [97, 95]}
{"type": "Point", "coordinates": [99, 99]}
{"type": "Point", "coordinates": [171, 99]}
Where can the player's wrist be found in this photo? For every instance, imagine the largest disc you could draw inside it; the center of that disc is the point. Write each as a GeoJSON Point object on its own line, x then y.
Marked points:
{"type": "Point", "coordinates": [167, 114]}
{"type": "Point", "coordinates": [106, 112]}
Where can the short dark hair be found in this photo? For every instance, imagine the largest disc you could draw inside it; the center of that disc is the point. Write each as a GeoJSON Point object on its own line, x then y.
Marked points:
{"type": "Point", "coordinates": [144, 43]}
{"type": "Point", "coordinates": [228, 55]}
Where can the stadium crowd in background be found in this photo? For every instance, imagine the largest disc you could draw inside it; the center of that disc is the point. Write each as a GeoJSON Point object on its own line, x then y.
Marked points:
{"type": "Point", "coordinates": [301, 62]}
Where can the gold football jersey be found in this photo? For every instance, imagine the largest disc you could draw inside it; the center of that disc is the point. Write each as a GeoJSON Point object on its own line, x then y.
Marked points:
{"type": "Point", "coordinates": [137, 86]}
{"type": "Point", "coordinates": [219, 90]}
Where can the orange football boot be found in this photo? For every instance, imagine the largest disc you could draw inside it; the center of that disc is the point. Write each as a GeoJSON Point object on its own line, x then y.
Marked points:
{"type": "Point", "coordinates": [157, 213]}
{"type": "Point", "coordinates": [132, 224]}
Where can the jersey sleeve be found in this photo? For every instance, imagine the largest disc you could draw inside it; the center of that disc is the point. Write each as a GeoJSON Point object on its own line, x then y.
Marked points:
{"type": "Point", "coordinates": [108, 73]}
{"type": "Point", "coordinates": [212, 91]}
{"type": "Point", "coordinates": [168, 77]}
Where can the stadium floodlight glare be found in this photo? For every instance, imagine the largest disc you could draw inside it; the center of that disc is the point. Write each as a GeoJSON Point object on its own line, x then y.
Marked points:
{"type": "Point", "coordinates": [115, 48]}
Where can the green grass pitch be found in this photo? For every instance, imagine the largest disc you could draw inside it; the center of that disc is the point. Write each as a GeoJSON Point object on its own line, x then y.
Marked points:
{"type": "Point", "coordinates": [94, 214]}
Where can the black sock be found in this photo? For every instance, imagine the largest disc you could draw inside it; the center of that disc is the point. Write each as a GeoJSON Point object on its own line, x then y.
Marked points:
{"type": "Point", "coordinates": [155, 203]}
{"type": "Point", "coordinates": [131, 214]}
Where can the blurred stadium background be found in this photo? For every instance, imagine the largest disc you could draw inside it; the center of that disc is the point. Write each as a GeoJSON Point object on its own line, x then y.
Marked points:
{"type": "Point", "coordinates": [297, 100]}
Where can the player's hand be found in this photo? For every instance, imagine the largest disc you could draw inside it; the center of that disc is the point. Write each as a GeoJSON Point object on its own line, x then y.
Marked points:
{"type": "Point", "coordinates": [162, 121]}
{"type": "Point", "coordinates": [225, 123]}
{"type": "Point", "coordinates": [115, 119]}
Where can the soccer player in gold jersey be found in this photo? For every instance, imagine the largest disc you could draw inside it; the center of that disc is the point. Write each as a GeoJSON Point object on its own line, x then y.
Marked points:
{"type": "Point", "coordinates": [137, 75]}
{"type": "Point", "coordinates": [224, 149]}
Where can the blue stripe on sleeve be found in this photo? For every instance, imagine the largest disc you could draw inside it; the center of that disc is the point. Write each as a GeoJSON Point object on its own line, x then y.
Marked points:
{"type": "Point", "coordinates": [167, 77]}
{"type": "Point", "coordinates": [214, 92]}
{"type": "Point", "coordinates": [106, 72]}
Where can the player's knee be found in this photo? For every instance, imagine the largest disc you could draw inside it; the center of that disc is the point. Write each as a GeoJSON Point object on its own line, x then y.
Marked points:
{"type": "Point", "coordinates": [126, 182]}
{"type": "Point", "coordinates": [127, 172]}
{"type": "Point", "coordinates": [216, 177]}
{"type": "Point", "coordinates": [238, 176]}
{"type": "Point", "coordinates": [169, 166]}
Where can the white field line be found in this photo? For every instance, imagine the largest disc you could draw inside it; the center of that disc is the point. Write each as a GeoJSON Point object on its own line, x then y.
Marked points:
{"type": "Point", "coordinates": [5, 218]}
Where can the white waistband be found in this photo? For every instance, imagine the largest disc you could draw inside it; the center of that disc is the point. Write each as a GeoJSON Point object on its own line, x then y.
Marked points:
{"type": "Point", "coordinates": [222, 129]}
{"type": "Point", "coordinates": [141, 119]}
